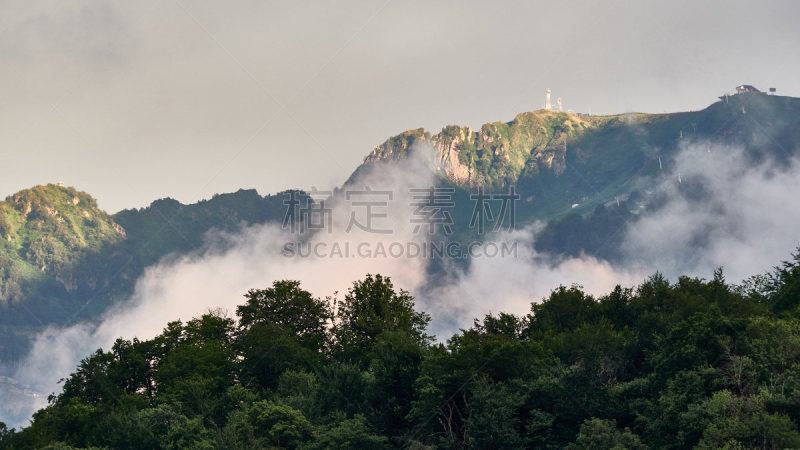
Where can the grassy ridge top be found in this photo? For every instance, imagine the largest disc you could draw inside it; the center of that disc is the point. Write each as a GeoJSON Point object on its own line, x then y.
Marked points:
{"type": "Point", "coordinates": [45, 231]}
{"type": "Point", "coordinates": [559, 159]}
{"type": "Point", "coordinates": [54, 209]}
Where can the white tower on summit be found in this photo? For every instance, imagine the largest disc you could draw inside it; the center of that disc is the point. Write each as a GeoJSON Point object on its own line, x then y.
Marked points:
{"type": "Point", "coordinates": [547, 101]}
{"type": "Point", "coordinates": [559, 103]}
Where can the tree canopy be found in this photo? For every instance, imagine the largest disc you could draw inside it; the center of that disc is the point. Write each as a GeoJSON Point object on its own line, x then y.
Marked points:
{"type": "Point", "coordinates": [694, 363]}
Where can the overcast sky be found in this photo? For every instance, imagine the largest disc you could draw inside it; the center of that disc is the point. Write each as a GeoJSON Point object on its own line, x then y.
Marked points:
{"type": "Point", "coordinates": [133, 101]}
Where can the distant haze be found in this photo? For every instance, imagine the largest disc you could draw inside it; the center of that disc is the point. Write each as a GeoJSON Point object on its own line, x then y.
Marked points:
{"type": "Point", "coordinates": [133, 101]}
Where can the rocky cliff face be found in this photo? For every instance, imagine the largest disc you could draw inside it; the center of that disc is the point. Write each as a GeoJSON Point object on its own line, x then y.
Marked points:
{"type": "Point", "coordinates": [499, 153]}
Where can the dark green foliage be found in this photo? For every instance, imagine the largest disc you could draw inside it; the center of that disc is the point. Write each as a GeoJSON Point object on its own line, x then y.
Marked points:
{"type": "Point", "coordinates": [780, 290]}
{"type": "Point", "coordinates": [694, 363]}
{"type": "Point", "coordinates": [599, 434]}
{"type": "Point", "coordinates": [280, 328]}
{"type": "Point", "coordinates": [350, 434]}
{"type": "Point", "coordinates": [287, 306]}
{"type": "Point", "coordinates": [273, 425]}
{"type": "Point", "coordinates": [371, 309]}
{"type": "Point", "coordinates": [377, 329]}
{"type": "Point", "coordinates": [200, 366]}
{"type": "Point", "coordinates": [565, 310]}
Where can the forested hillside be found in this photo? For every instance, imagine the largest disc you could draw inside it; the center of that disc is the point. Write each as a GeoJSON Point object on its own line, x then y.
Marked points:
{"type": "Point", "coordinates": [62, 259]}
{"type": "Point", "coordinates": [665, 365]}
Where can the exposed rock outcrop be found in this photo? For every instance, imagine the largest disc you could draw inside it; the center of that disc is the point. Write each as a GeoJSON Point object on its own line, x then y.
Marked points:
{"type": "Point", "coordinates": [499, 153]}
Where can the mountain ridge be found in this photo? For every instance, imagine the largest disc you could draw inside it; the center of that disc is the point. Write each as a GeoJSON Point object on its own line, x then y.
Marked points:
{"type": "Point", "coordinates": [560, 159]}
{"type": "Point", "coordinates": [563, 165]}
{"type": "Point", "coordinates": [63, 259]}
{"type": "Point", "coordinates": [462, 154]}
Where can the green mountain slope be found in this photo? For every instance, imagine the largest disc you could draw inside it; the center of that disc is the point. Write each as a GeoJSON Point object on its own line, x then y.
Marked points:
{"type": "Point", "coordinates": [45, 232]}
{"type": "Point", "coordinates": [558, 159]}
{"type": "Point", "coordinates": [168, 226]}
{"type": "Point", "coordinates": [62, 259]}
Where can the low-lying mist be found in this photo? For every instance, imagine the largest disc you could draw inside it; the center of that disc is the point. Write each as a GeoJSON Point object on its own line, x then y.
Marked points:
{"type": "Point", "coordinates": [716, 209]}
{"type": "Point", "coordinates": [720, 209]}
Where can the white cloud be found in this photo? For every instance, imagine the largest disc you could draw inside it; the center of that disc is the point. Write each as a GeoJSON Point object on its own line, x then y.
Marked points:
{"type": "Point", "coordinates": [726, 211]}
{"type": "Point", "coordinates": [743, 218]}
